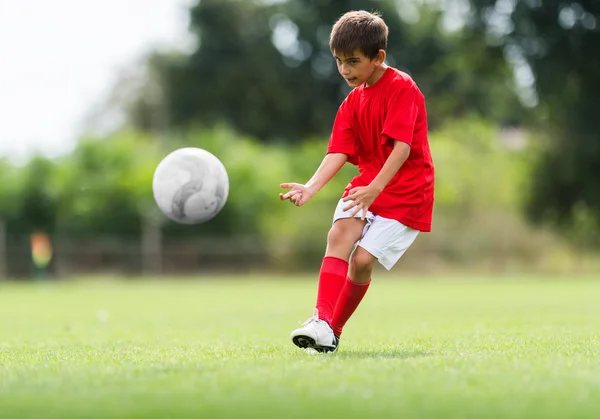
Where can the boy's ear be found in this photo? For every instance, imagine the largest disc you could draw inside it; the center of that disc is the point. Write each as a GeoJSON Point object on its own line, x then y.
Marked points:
{"type": "Point", "coordinates": [380, 58]}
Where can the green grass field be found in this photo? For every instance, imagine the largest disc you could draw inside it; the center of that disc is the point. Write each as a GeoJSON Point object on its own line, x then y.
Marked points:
{"type": "Point", "coordinates": [422, 348]}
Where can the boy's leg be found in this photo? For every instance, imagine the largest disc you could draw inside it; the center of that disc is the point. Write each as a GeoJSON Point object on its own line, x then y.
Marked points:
{"type": "Point", "coordinates": [355, 288]}
{"type": "Point", "coordinates": [316, 332]}
{"type": "Point", "coordinates": [345, 232]}
{"type": "Point", "coordinates": [341, 240]}
{"type": "Point", "coordinates": [385, 241]}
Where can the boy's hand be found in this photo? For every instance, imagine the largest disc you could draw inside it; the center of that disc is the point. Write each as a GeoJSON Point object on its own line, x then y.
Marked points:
{"type": "Point", "coordinates": [298, 195]}
{"type": "Point", "coordinates": [362, 197]}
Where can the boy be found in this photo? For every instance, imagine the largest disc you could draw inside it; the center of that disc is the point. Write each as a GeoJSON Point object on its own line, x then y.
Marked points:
{"type": "Point", "coordinates": [381, 127]}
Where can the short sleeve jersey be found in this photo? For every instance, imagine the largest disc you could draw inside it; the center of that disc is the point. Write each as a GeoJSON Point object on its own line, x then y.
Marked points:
{"type": "Point", "coordinates": [367, 124]}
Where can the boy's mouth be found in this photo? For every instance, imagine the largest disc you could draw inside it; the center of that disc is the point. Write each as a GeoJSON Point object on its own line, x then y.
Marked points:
{"type": "Point", "coordinates": [351, 80]}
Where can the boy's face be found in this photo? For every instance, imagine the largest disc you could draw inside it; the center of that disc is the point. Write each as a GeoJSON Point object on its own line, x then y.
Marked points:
{"type": "Point", "coordinates": [357, 69]}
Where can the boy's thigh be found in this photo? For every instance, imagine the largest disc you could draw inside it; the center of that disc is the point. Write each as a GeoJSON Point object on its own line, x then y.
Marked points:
{"type": "Point", "coordinates": [340, 214]}
{"type": "Point", "coordinates": [387, 240]}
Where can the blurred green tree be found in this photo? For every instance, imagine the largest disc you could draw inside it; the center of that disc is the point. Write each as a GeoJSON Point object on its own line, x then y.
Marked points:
{"type": "Point", "coordinates": [266, 69]}
{"type": "Point", "coordinates": [33, 205]}
{"type": "Point", "coordinates": [9, 190]}
{"type": "Point", "coordinates": [554, 46]}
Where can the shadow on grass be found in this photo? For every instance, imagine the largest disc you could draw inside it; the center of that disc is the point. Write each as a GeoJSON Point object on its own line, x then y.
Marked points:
{"type": "Point", "coordinates": [387, 354]}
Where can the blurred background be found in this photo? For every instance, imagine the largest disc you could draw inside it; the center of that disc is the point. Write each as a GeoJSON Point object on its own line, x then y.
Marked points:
{"type": "Point", "coordinates": [92, 97]}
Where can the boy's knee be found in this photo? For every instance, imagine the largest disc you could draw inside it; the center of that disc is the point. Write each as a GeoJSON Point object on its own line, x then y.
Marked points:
{"type": "Point", "coordinates": [344, 234]}
{"type": "Point", "coordinates": [363, 261]}
{"type": "Point", "coordinates": [338, 236]}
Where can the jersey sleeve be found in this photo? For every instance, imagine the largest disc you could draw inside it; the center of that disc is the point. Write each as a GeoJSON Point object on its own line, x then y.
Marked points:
{"type": "Point", "coordinates": [401, 116]}
{"type": "Point", "coordinates": [343, 139]}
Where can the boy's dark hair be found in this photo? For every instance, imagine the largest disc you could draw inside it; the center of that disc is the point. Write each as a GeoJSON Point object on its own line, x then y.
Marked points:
{"type": "Point", "coordinates": [359, 30]}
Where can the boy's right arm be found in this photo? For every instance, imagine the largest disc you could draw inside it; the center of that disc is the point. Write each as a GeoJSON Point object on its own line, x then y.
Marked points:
{"type": "Point", "coordinates": [300, 194]}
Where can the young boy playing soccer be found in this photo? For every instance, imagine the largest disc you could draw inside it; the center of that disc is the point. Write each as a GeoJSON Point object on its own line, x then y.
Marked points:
{"type": "Point", "coordinates": [381, 127]}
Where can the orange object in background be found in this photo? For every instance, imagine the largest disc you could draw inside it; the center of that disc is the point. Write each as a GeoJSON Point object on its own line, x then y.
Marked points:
{"type": "Point", "coordinates": [41, 250]}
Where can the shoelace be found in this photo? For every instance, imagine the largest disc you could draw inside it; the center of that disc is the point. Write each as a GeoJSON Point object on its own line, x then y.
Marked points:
{"type": "Point", "coordinates": [310, 320]}
{"type": "Point", "coordinates": [314, 318]}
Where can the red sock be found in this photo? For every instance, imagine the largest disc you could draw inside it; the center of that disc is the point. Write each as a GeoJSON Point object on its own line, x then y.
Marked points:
{"type": "Point", "coordinates": [331, 280]}
{"type": "Point", "coordinates": [350, 298]}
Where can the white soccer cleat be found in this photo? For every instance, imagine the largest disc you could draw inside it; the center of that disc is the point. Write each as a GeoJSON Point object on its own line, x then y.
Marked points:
{"type": "Point", "coordinates": [315, 334]}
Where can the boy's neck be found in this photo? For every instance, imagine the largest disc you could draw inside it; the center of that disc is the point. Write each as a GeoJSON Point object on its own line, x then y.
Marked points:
{"type": "Point", "coordinates": [376, 75]}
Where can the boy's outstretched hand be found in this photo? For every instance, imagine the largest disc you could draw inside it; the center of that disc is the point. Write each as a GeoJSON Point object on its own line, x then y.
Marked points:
{"type": "Point", "coordinates": [298, 195]}
{"type": "Point", "coordinates": [362, 197]}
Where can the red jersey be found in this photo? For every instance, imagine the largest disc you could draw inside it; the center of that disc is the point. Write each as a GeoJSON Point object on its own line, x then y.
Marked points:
{"type": "Point", "coordinates": [368, 122]}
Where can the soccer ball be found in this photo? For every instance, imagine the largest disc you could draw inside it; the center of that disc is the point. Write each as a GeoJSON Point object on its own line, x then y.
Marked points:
{"type": "Point", "coordinates": [190, 185]}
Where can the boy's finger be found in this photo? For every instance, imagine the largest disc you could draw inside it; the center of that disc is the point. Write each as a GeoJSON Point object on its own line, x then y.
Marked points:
{"type": "Point", "coordinates": [289, 194]}
{"type": "Point", "coordinates": [356, 211]}
{"type": "Point", "coordinates": [287, 185]}
{"type": "Point", "coordinates": [349, 197]}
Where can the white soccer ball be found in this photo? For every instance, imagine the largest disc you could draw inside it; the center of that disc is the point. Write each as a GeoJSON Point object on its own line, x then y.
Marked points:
{"type": "Point", "coordinates": [190, 185]}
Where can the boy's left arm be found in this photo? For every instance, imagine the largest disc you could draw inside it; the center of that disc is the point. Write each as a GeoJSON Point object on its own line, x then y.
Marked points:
{"type": "Point", "coordinates": [363, 196]}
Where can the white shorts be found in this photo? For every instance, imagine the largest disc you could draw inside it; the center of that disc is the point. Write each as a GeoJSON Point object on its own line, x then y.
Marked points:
{"type": "Point", "coordinates": [384, 238]}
